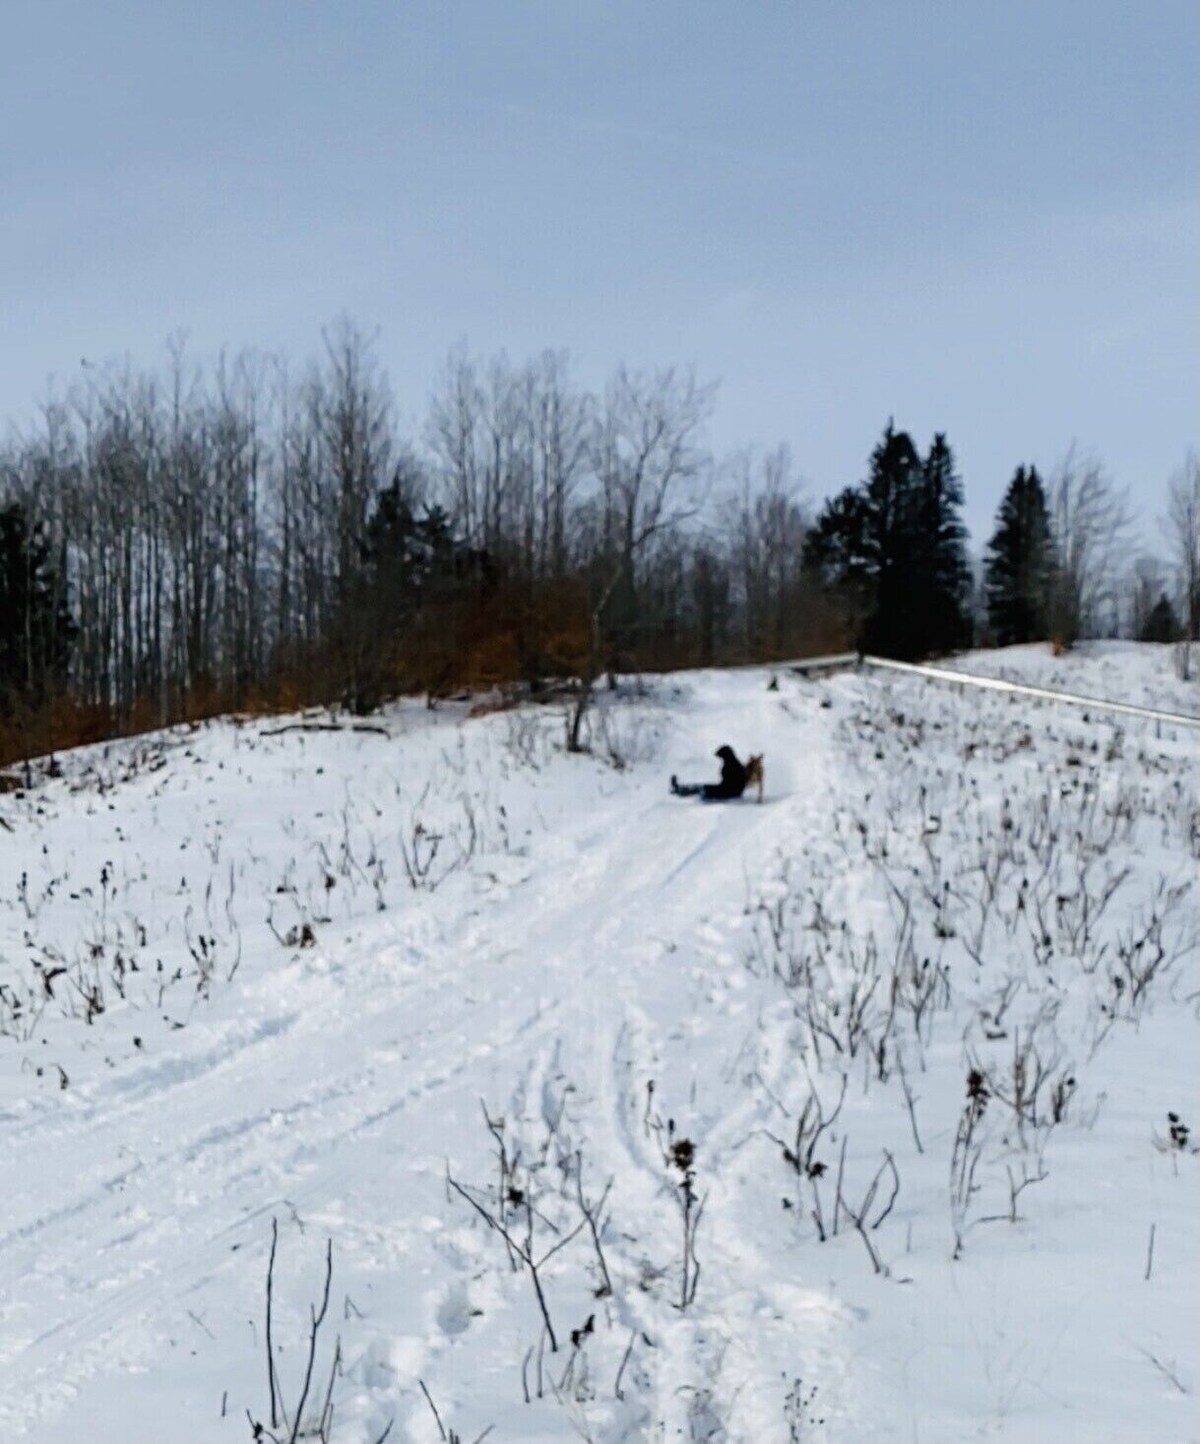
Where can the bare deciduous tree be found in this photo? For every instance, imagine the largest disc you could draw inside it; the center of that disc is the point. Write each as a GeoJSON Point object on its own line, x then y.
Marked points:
{"type": "Point", "coordinates": [1182, 528]}
{"type": "Point", "coordinates": [649, 457]}
{"type": "Point", "coordinates": [1090, 522]}
{"type": "Point", "coordinates": [767, 526]}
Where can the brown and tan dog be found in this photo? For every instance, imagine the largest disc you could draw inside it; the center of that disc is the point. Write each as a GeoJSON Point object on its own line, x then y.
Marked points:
{"type": "Point", "coordinates": [754, 774]}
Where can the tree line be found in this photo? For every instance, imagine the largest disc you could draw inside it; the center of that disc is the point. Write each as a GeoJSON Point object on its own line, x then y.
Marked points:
{"type": "Point", "coordinates": [176, 543]}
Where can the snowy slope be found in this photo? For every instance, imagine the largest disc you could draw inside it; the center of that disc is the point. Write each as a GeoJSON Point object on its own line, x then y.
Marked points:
{"type": "Point", "coordinates": [325, 977]}
{"type": "Point", "coordinates": [1141, 673]}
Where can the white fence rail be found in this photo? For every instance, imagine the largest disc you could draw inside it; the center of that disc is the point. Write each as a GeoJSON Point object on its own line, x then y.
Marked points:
{"type": "Point", "coordinates": [844, 660]}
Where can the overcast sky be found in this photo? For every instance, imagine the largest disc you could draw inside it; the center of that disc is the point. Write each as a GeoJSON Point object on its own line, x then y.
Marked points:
{"type": "Point", "coordinates": [979, 216]}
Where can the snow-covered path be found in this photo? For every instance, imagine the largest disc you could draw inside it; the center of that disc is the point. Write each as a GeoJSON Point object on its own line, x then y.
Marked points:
{"type": "Point", "coordinates": [366, 1048]}
{"type": "Point", "coordinates": [583, 976]}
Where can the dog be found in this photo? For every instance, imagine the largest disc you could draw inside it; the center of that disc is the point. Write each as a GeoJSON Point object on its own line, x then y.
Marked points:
{"type": "Point", "coordinates": [754, 774]}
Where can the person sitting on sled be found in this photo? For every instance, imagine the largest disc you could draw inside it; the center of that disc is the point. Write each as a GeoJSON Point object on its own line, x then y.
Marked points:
{"type": "Point", "coordinates": [732, 783]}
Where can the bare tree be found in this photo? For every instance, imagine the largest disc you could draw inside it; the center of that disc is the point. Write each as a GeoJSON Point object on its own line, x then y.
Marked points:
{"type": "Point", "coordinates": [1182, 528]}
{"type": "Point", "coordinates": [511, 445]}
{"type": "Point", "coordinates": [647, 450]}
{"type": "Point", "coordinates": [1090, 522]}
{"type": "Point", "coordinates": [355, 409]}
{"type": "Point", "coordinates": [767, 524]}
{"type": "Point", "coordinates": [227, 532]}
{"type": "Point", "coordinates": [561, 418]}
{"type": "Point", "coordinates": [712, 599]}
{"type": "Point", "coordinates": [648, 457]}
{"type": "Point", "coordinates": [454, 434]}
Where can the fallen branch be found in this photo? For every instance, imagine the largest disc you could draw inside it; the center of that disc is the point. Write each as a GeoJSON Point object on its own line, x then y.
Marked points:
{"type": "Point", "coordinates": [326, 727]}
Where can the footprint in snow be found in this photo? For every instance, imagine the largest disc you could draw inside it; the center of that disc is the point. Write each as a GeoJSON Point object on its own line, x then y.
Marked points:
{"type": "Point", "coordinates": [455, 1312]}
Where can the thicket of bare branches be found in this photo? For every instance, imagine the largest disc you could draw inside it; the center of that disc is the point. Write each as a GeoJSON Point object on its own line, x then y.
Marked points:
{"type": "Point", "coordinates": [1182, 528]}
{"type": "Point", "coordinates": [246, 535]}
{"type": "Point", "coordinates": [249, 536]}
{"type": "Point", "coordinates": [1090, 520]}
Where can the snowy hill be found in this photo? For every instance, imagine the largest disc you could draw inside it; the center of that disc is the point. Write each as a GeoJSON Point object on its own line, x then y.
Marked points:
{"type": "Point", "coordinates": [845, 1117]}
{"type": "Point", "coordinates": [1143, 673]}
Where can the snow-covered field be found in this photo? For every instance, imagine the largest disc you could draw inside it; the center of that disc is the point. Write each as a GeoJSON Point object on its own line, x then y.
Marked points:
{"type": "Point", "coordinates": [863, 1114]}
{"type": "Point", "coordinates": [1145, 675]}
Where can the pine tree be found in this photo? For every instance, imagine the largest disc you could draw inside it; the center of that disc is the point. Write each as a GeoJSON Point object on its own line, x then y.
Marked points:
{"type": "Point", "coordinates": [406, 564]}
{"type": "Point", "coordinates": [893, 550]}
{"type": "Point", "coordinates": [36, 628]}
{"type": "Point", "coordinates": [893, 495]}
{"type": "Point", "coordinates": [840, 548]}
{"type": "Point", "coordinates": [1019, 567]}
{"type": "Point", "coordinates": [1161, 625]}
{"type": "Point", "coordinates": [839, 556]}
{"type": "Point", "coordinates": [940, 579]}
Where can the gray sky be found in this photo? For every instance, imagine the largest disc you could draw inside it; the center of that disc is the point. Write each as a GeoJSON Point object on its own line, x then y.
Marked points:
{"type": "Point", "coordinates": [979, 216]}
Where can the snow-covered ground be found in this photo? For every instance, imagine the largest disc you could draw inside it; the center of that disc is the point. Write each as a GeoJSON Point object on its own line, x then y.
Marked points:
{"type": "Point", "coordinates": [844, 1117]}
{"type": "Point", "coordinates": [1146, 674]}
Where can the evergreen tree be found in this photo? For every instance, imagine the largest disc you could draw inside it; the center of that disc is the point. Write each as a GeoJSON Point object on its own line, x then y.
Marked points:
{"type": "Point", "coordinates": [1019, 568]}
{"type": "Point", "coordinates": [940, 578]}
{"type": "Point", "coordinates": [407, 598]}
{"type": "Point", "coordinates": [839, 549]}
{"type": "Point", "coordinates": [893, 497]}
{"type": "Point", "coordinates": [36, 629]}
{"type": "Point", "coordinates": [893, 550]}
{"type": "Point", "coordinates": [839, 557]}
{"type": "Point", "coordinates": [1161, 625]}
{"type": "Point", "coordinates": [407, 560]}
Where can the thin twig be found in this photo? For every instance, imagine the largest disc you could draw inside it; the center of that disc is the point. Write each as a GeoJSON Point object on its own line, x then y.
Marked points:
{"type": "Point", "coordinates": [837, 1203]}
{"type": "Point", "coordinates": [890, 1163]}
{"type": "Point", "coordinates": [591, 1213]}
{"type": "Point", "coordinates": [1169, 1371]}
{"type": "Point", "coordinates": [909, 1099]}
{"type": "Point", "coordinates": [317, 1320]}
{"type": "Point", "coordinates": [327, 1407]}
{"type": "Point", "coordinates": [433, 1406]}
{"type": "Point", "coordinates": [624, 1361]}
{"type": "Point", "coordinates": [271, 1381]}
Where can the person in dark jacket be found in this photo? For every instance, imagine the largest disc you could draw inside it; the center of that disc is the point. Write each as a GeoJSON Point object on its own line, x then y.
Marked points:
{"type": "Point", "coordinates": [731, 785]}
